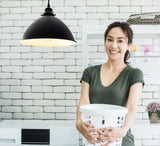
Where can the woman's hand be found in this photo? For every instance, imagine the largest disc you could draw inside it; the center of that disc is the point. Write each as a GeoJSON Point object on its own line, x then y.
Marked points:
{"type": "Point", "coordinates": [111, 134]}
{"type": "Point", "coordinates": [88, 131]}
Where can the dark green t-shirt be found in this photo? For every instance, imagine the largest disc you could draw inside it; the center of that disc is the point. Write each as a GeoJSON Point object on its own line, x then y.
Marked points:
{"type": "Point", "coordinates": [117, 93]}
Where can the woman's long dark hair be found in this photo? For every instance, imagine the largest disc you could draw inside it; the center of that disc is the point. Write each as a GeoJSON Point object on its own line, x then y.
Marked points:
{"type": "Point", "coordinates": [127, 30]}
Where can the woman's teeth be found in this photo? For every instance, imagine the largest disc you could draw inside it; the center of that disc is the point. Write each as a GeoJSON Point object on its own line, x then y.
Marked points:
{"type": "Point", "coordinates": [114, 52]}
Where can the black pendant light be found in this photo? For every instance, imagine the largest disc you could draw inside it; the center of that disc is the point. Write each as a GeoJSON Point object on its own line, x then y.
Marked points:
{"type": "Point", "coordinates": [48, 31]}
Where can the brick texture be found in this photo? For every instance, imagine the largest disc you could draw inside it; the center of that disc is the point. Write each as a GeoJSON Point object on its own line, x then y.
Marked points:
{"type": "Point", "coordinates": [43, 82]}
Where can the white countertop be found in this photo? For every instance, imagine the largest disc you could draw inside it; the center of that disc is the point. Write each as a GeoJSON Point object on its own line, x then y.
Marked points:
{"type": "Point", "coordinates": [36, 124]}
{"type": "Point", "coordinates": [144, 126]}
{"type": "Point", "coordinates": [138, 127]}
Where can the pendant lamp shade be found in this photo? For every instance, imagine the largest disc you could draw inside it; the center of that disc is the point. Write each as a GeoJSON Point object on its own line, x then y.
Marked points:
{"type": "Point", "coordinates": [48, 31]}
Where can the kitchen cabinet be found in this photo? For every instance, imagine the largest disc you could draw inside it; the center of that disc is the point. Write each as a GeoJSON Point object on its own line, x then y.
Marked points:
{"type": "Point", "coordinates": [61, 133]}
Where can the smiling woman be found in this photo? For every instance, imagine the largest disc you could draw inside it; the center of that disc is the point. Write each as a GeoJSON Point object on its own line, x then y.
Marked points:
{"type": "Point", "coordinates": [114, 82]}
{"type": "Point", "coordinates": [116, 43]}
{"type": "Point", "coordinates": [123, 34]}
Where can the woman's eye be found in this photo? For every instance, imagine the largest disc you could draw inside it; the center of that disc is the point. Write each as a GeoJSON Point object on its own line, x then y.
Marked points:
{"type": "Point", "coordinates": [120, 41]}
{"type": "Point", "coordinates": [109, 40]}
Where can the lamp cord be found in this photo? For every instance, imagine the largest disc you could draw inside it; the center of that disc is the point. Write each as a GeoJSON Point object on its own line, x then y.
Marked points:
{"type": "Point", "coordinates": [48, 3]}
{"type": "Point", "coordinates": [48, 11]}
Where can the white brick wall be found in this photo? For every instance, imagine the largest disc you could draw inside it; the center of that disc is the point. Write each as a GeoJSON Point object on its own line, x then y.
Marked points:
{"type": "Point", "coordinates": [120, 2]}
{"type": "Point", "coordinates": [142, 2]}
{"type": "Point", "coordinates": [43, 83]}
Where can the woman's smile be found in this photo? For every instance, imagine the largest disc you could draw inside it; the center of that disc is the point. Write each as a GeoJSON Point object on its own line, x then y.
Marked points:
{"type": "Point", "coordinates": [114, 52]}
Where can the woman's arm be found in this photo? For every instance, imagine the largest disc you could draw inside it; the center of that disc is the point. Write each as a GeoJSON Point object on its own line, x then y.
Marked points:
{"type": "Point", "coordinates": [132, 103]}
{"type": "Point", "coordinates": [134, 96]}
{"type": "Point", "coordinates": [85, 128]}
{"type": "Point", "coordinates": [84, 99]}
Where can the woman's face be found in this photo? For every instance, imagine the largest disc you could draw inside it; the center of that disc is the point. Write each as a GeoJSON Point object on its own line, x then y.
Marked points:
{"type": "Point", "coordinates": [116, 44]}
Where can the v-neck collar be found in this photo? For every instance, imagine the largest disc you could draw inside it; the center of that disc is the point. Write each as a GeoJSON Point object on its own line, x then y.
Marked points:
{"type": "Point", "coordinates": [100, 66]}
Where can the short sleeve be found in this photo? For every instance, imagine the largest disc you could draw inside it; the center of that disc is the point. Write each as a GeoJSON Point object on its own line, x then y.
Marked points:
{"type": "Point", "coordinates": [86, 76]}
{"type": "Point", "coordinates": [136, 77]}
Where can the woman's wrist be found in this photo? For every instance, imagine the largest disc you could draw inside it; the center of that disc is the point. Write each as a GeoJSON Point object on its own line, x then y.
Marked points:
{"type": "Point", "coordinates": [77, 124]}
{"type": "Point", "coordinates": [124, 131]}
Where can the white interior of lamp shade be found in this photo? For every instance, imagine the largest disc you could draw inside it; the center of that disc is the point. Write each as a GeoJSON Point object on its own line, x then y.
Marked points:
{"type": "Point", "coordinates": [48, 42]}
